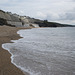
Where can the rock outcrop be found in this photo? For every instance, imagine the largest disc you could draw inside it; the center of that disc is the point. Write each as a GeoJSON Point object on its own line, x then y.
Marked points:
{"type": "Point", "coordinates": [7, 18]}
{"type": "Point", "coordinates": [27, 21]}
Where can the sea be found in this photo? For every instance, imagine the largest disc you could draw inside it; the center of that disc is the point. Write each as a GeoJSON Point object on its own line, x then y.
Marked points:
{"type": "Point", "coordinates": [44, 51]}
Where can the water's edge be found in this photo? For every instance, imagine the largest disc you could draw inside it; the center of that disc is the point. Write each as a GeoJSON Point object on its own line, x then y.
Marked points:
{"type": "Point", "coordinates": [12, 56]}
{"type": "Point", "coordinates": [44, 51]}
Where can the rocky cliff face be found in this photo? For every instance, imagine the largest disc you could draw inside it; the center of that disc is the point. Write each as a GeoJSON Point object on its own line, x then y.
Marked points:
{"type": "Point", "coordinates": [27, 21]}
{"type": "Point", "coordinates": [7, 18]}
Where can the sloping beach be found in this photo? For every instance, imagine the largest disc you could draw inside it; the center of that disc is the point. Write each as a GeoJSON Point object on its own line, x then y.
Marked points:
{"type": "Point", "coordinates": [6, 67]}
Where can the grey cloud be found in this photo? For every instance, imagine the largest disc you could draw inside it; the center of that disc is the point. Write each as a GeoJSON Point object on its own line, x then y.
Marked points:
{"type": "Point", "coordinates": [73, 0]}
{"type": "Point", "coordinates": [48, 9]}
{"type": "Point", "coordinates": [69, 15]}
{"type": "Point", "coordinates": [53, 17]}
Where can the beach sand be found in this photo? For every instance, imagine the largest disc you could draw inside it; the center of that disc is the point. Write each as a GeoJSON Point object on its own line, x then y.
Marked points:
{"type": "Point", "coordinates": [6, 67]}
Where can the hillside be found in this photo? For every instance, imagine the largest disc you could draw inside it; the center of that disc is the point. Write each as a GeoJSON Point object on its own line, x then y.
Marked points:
{"type": "Point", "coordinates": [7, 18]}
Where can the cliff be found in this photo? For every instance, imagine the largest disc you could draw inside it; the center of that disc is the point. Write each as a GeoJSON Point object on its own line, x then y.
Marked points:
{"type": "Point", "coordinates": [28, 22]}
{"type": "Point", "coordinates": [7, 18]}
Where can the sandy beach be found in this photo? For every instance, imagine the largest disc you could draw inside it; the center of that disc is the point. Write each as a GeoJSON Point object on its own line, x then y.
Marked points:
{"type": "Point", "coordinates": [6, 67]}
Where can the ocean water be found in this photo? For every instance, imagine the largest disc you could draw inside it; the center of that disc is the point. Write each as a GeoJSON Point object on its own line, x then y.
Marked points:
{"type": "Point", "coordinates": [44, 51]}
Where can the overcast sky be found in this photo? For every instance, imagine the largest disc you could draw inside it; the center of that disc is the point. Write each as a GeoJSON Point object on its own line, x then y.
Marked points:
{"type": "Point", "coordinates": [62, 11]}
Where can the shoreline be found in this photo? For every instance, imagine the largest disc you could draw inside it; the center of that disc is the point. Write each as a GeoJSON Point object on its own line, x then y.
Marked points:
{"type": "Point", "coordinates": [6, 35]}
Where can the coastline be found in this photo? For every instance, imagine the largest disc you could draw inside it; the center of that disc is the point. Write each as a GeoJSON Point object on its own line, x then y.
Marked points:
{"type": "Point", "coordinates": [6, 35]}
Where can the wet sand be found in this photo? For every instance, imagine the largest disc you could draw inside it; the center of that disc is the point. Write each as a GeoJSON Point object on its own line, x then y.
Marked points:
{"type": "Point", "coordinates": [6, 67]}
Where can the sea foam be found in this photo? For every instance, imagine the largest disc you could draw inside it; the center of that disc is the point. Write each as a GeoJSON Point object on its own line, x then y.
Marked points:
{"type": "Point", "coordinates": [44, 51]}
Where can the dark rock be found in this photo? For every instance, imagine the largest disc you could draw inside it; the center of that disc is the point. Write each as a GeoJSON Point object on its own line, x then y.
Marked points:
{"type": "Point", "coordinates": [3, 21]}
